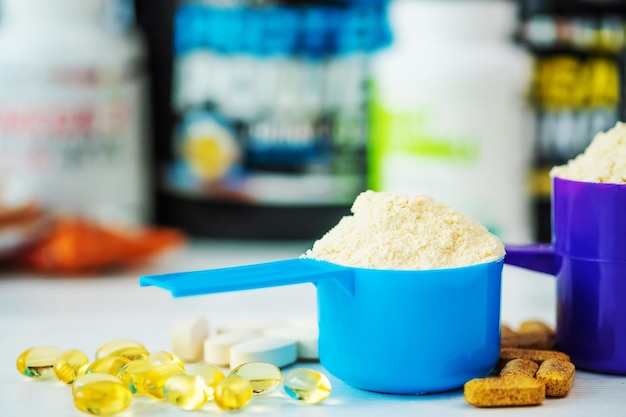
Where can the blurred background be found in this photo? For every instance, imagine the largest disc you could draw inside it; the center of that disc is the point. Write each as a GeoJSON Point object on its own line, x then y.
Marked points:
{"type": "Point", "coordinates": [263, 119]}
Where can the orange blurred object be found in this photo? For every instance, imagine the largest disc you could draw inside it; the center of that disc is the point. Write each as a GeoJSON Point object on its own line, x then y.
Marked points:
{"type": "Point", "coordinates": [77, 246]}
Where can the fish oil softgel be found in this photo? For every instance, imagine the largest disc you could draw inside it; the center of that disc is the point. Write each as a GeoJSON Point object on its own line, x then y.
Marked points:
{"type": "Point", "coordinates": [38, 362]}
{"type": "Point", "coordinates": [100, 394]}
{"type": "Point", "coordinates": [155, 379]}
{"type": "Point", "coordinates": [132, 353]}
{"type": "Point", "coordinates": [233, 393]}
{"type": "Point", "coordinates": [109, 348]}
{"type": "Point", "coordinates": [134, 373]}
{"type": "Point", "coordinates": [70, 365]}
{"type": "Point", "coordinates": [185, 391]}
{"type": "Point", "coordinates": [124, 368]}
{"type": "Point", "coordinates": [209, 375]}
{"type": "Point", "coordinates": [306, 385]}
{"type": "Point", "coordinates": [263, 376]}
{"type": "Point", "coordinates": [111, 365]}
{"type": "Point", "coordinates": [163, 357]}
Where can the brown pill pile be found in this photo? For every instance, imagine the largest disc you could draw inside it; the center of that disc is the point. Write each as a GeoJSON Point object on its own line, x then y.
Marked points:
{"type": "Point", "coordinates": [529, 370]}
{"type": "Point", "coordinates": [557, 375]}
{"type": "Point", "coordinates": [531, 334]}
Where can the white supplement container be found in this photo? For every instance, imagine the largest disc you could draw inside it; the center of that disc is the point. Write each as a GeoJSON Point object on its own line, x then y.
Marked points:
{"type": "Point", "coordinates": [449, 112]}
{"type": "Point", "coordinates": [72, 111]}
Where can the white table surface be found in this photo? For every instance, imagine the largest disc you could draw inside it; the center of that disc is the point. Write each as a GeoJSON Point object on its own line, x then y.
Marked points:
{"type": "Point", "coordinates": [87, 312]}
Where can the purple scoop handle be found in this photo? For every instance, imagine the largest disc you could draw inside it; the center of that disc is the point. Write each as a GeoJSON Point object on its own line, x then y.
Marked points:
{"type": "Point", "coordinates": [538, 257]}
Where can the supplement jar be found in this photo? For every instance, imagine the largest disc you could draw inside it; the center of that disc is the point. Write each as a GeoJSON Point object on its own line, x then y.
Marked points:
{"type": "Point", "coordinates": [269, 130]}
{"type": "Point", "coordinates": [72, 110]}
{"type": "Point", "coordinates": [448, 112]}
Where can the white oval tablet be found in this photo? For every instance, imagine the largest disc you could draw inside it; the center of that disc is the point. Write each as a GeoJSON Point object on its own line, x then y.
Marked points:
{"type": "Point", "coordinates": [249, 324]}
{"type": "Point", "coordinates": [188, 338]}
{"type": "Point", "coordinates": [217, 348]}
{"type": "Point", "coordinates": [305, 336]}
{"type": "Point", "coordinates": [279, 351]}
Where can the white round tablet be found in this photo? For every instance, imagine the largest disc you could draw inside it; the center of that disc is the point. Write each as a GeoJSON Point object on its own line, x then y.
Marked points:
{"type": "Point", "coordinates": [188, 338]}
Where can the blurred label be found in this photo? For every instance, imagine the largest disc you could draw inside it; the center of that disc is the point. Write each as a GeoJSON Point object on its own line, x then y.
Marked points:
{"type": "Point", "coordinates": [270, 100]}
{"type": "Point", "coordinates": [452, 148]}
{"type": "Point", "coordinates": [273, 130]}
{"type": "Point", "coordinates": [71, 140]}
{"type": "Point", "coordinates": [574, 98]}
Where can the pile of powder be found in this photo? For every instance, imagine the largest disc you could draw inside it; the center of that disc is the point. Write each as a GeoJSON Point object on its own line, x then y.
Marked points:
{"type": "Point", "coordinates": [604, 160]}
{"type": "Point", "coordinates": [392, 231]}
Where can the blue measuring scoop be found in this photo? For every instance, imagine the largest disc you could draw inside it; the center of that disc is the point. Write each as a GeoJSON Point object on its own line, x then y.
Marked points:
{"type": "Point", "coordinates": [388, 331]}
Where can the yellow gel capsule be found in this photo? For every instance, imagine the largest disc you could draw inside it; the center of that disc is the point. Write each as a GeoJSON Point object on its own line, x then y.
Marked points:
{"type": "Point", "coordinates": [209, 375]}
{"type": "Point", "coordinates": [100, 394]}
{"type": "Point", "coordinates": [111, 365]}
{"type": "Point", "coordinates": [132, 353]}
{"type": "Point", "coordinates": [154, 380]}
{"type": "Point", "coordinates": [70, 365]}
{"type": "Point", "coordinates": [38, 362]}
{"type": "Point", "coordinates": [185, 391]}
{"type": "Point", "coordinates": [166, 358]}
{"type": "Point", "coordinates": [233, 392]}
{"type": "Point", "coordinates": [108, 348]}
{"type": "Point", "coordinates": [263, 376]}
{"type": "Point", "coordinates": [306, 385]}
{"type": "Point", "coordinates": [93, 377]}
{"type": "Point", "coordinates": [133, 374]}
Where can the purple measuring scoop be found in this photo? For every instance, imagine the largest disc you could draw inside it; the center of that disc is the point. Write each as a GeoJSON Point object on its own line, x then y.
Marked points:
{"type": "Point", "coordinates": [588, 258]}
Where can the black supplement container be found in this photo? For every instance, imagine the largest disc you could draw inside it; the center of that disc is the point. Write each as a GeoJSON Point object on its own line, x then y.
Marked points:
{"type": "Point", "coordinates": [260, 123]}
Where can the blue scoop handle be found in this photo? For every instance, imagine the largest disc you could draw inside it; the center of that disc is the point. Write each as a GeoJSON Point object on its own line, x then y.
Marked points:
{"type": "Point", "coordinates": [247, 277]}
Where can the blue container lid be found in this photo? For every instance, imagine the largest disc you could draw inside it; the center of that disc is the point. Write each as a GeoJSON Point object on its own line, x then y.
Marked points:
{"type": "Point", "coordinates": [310, 31]}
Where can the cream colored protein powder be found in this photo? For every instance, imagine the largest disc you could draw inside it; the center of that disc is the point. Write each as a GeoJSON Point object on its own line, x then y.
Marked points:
{"type": "Point", "coordinates": [604, 160]}
{"type": "Point", "coordinates": [392, 231]}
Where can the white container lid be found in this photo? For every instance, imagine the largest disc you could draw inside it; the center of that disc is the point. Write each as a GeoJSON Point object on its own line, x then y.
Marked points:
{"type": "Point", "coordinates": [433, 20]}
{"type": "Point", "coordinates": [37, 10]}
